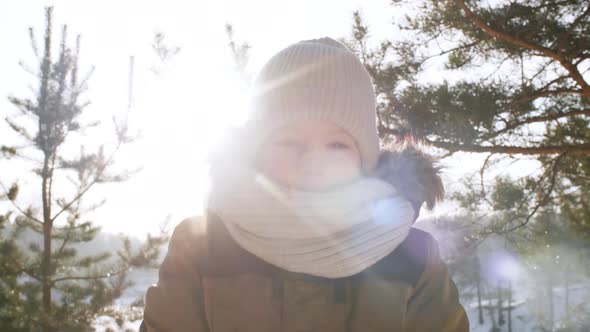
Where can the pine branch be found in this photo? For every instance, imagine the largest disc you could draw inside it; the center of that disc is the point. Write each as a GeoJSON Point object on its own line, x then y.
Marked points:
{"type": "Point", "coordinates": [93, 182]}
{"type": "Point", "coordinates": [28, 215]}
{"type": "Point", "coordinates": [544, 93]}
{"type": "Point", "coordinates": [579, 149]}
{"type": "Point", "coordinates": [542, 202]}
{"type": "Point", "coordinates": [64, 242]}
{"type": "Point", "coordinates": [541, 118]}
{"type": "Point", "coordinates": [443, 52]}
{"type": "Point", "coordinates": [90, 277]}
{"type": "Point", "coordinates": [578, 20]}
{"type": "Point", "coordinates": [514, 40]}
{"type": "Point", "coordinates": [481, 177]}
{"type": "Point", "coordinates": [543, 69]}
{"type": "Point", "coordinates": [19, 129]}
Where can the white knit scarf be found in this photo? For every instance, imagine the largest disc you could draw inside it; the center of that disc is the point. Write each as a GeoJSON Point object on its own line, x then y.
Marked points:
{"type": "Point", "coordinates": [332, 233]}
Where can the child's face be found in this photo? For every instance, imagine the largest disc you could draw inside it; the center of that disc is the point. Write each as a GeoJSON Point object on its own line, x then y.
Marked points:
{"type": "Point", "coordinates": [309, 155]}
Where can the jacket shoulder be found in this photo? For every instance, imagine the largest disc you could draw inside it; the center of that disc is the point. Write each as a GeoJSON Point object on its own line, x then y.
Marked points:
{"type": "Point", "coordinates": [420, 245]}
{"type": "Point", "coordinates": [189, 238]}
{"type": "Point", "coordinates": [409, 260]}
{"type": "Point", "coordinates": [194, 227]}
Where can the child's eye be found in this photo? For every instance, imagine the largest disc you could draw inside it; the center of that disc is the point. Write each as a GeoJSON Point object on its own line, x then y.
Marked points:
{"type": "Point", "coordinates": [338, 145]}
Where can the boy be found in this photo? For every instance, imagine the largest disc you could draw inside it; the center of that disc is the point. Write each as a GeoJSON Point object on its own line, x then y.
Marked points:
{"type": "Point", "coordinates": [308, 225]}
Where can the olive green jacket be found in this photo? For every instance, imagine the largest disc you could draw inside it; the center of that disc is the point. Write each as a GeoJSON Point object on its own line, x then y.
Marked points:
{"type": "Point", "coordinates": [207, 282]}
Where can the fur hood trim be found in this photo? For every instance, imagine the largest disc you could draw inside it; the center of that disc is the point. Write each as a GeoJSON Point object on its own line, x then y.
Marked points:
{"type": "Point", "coordinates": [413, 172]}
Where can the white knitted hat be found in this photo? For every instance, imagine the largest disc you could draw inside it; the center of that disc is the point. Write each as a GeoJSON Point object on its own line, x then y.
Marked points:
{"type": "Point", "coordinates": [318, 79]}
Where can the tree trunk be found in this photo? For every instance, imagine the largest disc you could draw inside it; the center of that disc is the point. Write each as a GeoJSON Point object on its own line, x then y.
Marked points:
{"type": "Point", "coordinates": [551, 307]}
{"type": "Point", "coordinates": [43, 136]}
{"type": "Point", "coordinates": [509, 306]}
{"type": "Point", "coordinates": [47, 227]}
{"type": "Point", "coordinates": [478, 278]}
{"type": "Point", "coordinates": [567, 295]}
{"type": "Point", "coordinates": [500, 311]}
{"type": "Point", "coordinates": [479, 308]}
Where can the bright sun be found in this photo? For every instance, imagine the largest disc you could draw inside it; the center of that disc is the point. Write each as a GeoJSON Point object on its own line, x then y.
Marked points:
{"type": "Point", "coordinates": [180, 119]}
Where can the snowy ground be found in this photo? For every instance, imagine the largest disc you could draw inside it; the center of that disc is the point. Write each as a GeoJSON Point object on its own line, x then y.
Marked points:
{"type": "Point", "coordinates": [529, 312]}
{"type": "Point", "coordinates": [142, 280]}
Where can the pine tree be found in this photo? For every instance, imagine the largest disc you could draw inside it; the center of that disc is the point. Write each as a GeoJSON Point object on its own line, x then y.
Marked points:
{"type": "Point", "coordinates": [506, 79]}
{"type": "Point", "coordinates": [515, 86]}
{"type": "Point", "coordinates": [45, 284]}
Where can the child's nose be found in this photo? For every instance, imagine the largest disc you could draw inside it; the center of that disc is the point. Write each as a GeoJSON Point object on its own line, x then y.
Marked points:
{"type": "Point", "coordinates": [312, 158]}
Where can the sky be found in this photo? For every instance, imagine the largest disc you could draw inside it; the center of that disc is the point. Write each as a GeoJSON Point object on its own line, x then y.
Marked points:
{"type": "Point", "coordinates": [183, 109]}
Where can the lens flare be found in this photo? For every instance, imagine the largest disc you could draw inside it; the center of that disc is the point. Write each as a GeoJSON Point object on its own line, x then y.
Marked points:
{"type": "Point", "coordinates": [501, 265]}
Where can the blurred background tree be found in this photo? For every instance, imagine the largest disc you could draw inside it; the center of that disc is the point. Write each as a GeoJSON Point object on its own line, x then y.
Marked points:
{"type": "Point", "coordinates": [46, 283]}
{"type": "Point", "coordinates": [515, 86]}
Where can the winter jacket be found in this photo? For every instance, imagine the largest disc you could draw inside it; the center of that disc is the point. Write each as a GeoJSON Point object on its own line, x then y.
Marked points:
{"type": "Point", "coordinates": [207, 282]}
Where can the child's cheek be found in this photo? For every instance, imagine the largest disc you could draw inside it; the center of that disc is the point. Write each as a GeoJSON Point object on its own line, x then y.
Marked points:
{"type": "Point", "coordinates": [280, 169]}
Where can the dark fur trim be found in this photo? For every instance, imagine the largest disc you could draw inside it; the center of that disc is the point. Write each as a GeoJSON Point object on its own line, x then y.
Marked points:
{"type": "Point", "coordinates": [413, 172]}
